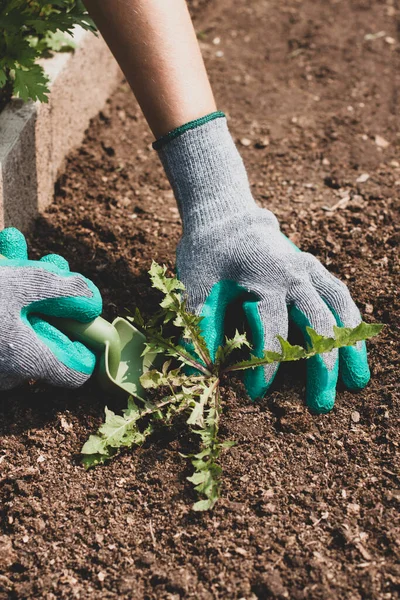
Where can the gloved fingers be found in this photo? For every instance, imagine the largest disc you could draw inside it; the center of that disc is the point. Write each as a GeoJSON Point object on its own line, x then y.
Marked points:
{"type": "Point", "coordinates": [290, 243]}
{"type": "Point", "coordinates": [337, 296]}
{"type": "Point", "coordinates": [213, 311]}
{"type": "Point", "coordinates": [309, 310]}
{"type": "Point", "coordinates": [36, 350]}
{"type": "Point", "coordinates": [14, 247]}
{"type": "Point", "coordinates": [59, 293]}
{"type": "Point", "coordinates": [267, 317]}
{"type": "Point", "coordinates": [70, 363]}
{"type": "Point", "coordinates": [57, 260]}
{"type": "Point", "coordinates": [353, 360]}
{"type": "Point", "coordinates": [13, 244]}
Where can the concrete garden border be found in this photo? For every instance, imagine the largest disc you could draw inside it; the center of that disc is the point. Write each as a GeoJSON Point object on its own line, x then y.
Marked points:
{"type": "Point", "coordinates": [36, 138]}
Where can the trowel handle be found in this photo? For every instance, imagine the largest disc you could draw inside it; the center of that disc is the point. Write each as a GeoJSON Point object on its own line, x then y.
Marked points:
{"type": "Point", "coordinates": [96, 335]}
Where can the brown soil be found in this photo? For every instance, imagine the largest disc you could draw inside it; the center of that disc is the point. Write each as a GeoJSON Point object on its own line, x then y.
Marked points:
{"type": "Point", "coordinates": [310, 504]}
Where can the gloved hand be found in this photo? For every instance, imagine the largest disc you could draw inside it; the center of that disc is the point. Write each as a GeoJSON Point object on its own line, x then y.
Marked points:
{"type": "Point", "coordinates": [231, 247]}
{"type": "Point", "coordinates": [247, 255]}
{"type": "Point", "coordinates": [31, 348]}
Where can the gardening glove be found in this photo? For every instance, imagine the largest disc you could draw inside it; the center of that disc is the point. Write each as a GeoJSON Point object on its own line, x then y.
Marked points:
{"type": "Point", "coordinates": [31, 348]}
{"type": "Point", "coordinates": [232, 248]}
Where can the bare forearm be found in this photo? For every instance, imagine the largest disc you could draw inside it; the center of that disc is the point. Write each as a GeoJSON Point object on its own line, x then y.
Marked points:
{"type": "Point", "coordinates": [155, 44]}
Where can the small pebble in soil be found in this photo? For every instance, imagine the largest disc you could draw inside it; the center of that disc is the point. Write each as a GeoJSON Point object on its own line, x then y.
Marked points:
{"type": "Point", "coordinates": [261, 143]}
{"type": "Point", "coordinates": [362, 178]}
{"type": "Point", "coordinates": [381, 142]}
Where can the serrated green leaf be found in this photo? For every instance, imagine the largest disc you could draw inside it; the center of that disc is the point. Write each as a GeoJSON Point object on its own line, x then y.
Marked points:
{"type": "Point", "coordinates": [202, 505]}
{"type": "Point", "coordinates": [201, 465]}
{"type": "Point", "coordinates": [319, 343]}
{"type": "Point", "coordinates": [223, 352]}
{"type": "Point", "coordinates": [93, 460]}
{"type": "Point", "coordinates": [199, 477]}
{"type": "Point", "coordinates": [60, 21]}
{"type": "Point", "coordinates": [58, 40]}
{"type": "Point", "coordinates": [227, 444]}
{"type": "Point", "coordinates": [31, 84]}
{"type": "Point", "coordinates": [203, 454]}
{"type": "Point", "coordinates": [346, 336]}
{"type": "Point", "coordinates": [132, 411]}
{"type": "Point", "coordinates": [118, 431]}
{"type": "Point", "coordinates": [161, 282]}
{"type": "Point", "coordinates": [255, 361]}
{"type": "Point", "coordinates": [20, 53]}
{"type": "Point", "coordinates": [196, 417]}
{"type": "Point", "coordinates": [94, 445]}
{"type": "Point", "coordinates": [172, 302]}
{"type": "Point", "coordinates": [290, 352]}
{"type": "Point", "coordinates": [28, 30]}
{"type": "Point", "coordinates": [152, 379]}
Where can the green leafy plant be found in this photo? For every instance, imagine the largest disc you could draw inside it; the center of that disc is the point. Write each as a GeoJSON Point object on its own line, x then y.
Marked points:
{"type": "Point", "coordinates": [197, 392]}
{"type": "Point", "coordinates": [28, 30]}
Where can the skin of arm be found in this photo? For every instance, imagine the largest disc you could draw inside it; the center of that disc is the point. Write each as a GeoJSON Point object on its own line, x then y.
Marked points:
{"type": "Point", "coordinates": [155, 44]}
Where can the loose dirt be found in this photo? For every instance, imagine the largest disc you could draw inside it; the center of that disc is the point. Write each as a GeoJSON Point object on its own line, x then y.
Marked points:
{"type": "Point", "coordinates": [310, 504]}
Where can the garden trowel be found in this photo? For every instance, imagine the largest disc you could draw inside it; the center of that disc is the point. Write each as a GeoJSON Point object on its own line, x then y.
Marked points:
{"type": "Point", "coordinates": [119, 347]}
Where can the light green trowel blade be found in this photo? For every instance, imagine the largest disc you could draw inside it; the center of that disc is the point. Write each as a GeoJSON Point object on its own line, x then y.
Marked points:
{"type": "Point", "coordinates": [119, 346]}
{"type": "Point", "coordinates": [131, 365]}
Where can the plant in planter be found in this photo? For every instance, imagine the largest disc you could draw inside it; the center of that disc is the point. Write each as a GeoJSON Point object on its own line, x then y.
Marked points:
{"type": "Point", "coordinates": [176, 334]}
{"type": "Point", "coordinates": [31, 29]}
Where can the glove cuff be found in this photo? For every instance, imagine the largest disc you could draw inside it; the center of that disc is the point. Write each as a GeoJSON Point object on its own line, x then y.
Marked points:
{"type": "Point", "coordinates": [206, 172]}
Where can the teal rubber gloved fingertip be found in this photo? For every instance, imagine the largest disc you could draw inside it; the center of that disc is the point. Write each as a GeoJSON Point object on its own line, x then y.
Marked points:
{"type": "Point", "coordinates": [322, 402]}
{"type": "Point", "coordinates": [321, 385]}
{"type": "Point", "coordinates": [255, 382]}
{"type": "Point", "coordinates": [74, 355]}
{"type": "Point", "coordinates": [354, 367]}
{"type": "Point", "coordinates": [13, 244]}
{"type": "Point", "coordinates": [57, 260]}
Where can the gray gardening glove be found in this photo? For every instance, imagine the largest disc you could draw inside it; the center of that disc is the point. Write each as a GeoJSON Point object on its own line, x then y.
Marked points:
{"type": "Point", "coordinates": [231, 247]}
{"type": "Point", "coordinates": [31, 348]}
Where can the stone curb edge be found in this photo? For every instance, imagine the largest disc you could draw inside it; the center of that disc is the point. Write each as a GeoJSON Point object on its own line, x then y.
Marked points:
{"type": "Point", "coordinates": [36, 138]}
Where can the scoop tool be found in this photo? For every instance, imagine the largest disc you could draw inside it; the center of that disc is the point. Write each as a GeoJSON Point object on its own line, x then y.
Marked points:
{"type": "Point", "coordinates": [119, 347]}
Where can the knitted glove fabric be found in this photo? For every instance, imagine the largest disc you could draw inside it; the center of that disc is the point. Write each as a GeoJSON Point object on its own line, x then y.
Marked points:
{"type": "Point", "coordinates": [232, 248]}
{"type": "Point", "coordinates": [31, 348]}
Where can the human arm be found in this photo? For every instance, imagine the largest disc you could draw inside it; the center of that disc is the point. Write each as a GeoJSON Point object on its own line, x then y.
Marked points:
{"type": "Point", "coordinates": [230, 247]}
{"type": "Point", "coordinates": [155, 45]}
